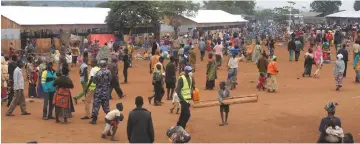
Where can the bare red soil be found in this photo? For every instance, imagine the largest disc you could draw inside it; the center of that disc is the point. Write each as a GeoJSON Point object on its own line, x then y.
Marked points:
{"type": "Point", "coordinates": [292, 114]}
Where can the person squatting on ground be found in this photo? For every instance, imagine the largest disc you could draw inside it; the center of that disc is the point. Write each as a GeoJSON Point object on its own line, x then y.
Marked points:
{"type": "Point", "coordinates": [170, 77]}
{"type": "Point", "coordinates": [90, 89]}
{"type": "Point", "coordinates": [309, 61]}
{"type": "Point", "coordinates": [12, 65]}
{"type": "Point", "coordinates": [184, 90]}
{"type": "Point", "coordinates": [224, 93]}
{"type": "Point", "coordinates": [112, 119]}
{"type": "Point", "coordinates": [272, 73]}
{"type": "Point", "coordinates": [62, 98]}
{"type": "Point", "coordinates": [339, 71]}
{"type": "Point", "coordinates": [356, 65]}
{"type": "Point", "coordinates": [101, 96]}
{"type": "Point", "coordinates": [140, 127]}
{"type": "Point", "coordinates": [47, 80]}
{"type": "Point", "coordinates": [113, 67]}
{"type": "Point", "coordinates": [83, 79]}
{"type": "Point", "coordinates": [19, 98]}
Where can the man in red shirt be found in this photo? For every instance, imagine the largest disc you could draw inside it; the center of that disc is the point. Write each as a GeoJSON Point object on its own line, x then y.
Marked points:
{"type": "Point", "coordinates": [11, 49]}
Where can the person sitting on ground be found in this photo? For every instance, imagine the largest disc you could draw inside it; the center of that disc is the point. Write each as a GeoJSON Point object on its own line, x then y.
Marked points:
{"type": "Point", "coordinates": [112, 119]}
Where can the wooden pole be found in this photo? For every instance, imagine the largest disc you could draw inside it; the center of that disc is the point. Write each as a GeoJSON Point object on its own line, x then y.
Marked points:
{"type": "Point", "coordinates": [232, 100]}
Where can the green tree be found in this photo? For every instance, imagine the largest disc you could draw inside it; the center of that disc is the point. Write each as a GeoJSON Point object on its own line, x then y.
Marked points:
{"type": "Point", "coordinates": [357, 5]}
{"type": "Point", "coordinates": [233, 7]}
{"type": "Point", "coordinates": [129, 14]}
{"type": "Point", "coordinates": [264, 15]}
{"type": "Point", "coordinates": [104, 4]}
{"type": "Point", "coordinates": [326, 7]}
{"type": "Point", "coordinates": [175, 9]}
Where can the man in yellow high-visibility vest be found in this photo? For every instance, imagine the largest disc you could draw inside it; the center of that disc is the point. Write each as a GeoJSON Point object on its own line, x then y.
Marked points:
{"type": "Point", "coordinates": [184, 89]}
{"type": "Point", "coordinates": [90, 89]}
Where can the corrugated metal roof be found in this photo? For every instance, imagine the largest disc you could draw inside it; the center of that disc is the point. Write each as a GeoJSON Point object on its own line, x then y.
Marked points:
{"type": "Point", "coordinates": [346, 14]}
{"type": "Point", "coordinates": [25, 15]}
{"type": "Point", "coordinates": [310, 14]}
{"type": "Point", "coordinates": [215, 16]}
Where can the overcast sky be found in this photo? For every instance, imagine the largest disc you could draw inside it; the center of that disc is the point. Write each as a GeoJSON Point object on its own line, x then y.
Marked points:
{"type": "Point", "coordinates": [263, 4]}
{"type": "Point", "coordinates": [346, 4]}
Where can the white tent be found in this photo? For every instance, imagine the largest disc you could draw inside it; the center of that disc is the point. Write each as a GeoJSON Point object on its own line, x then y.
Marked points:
{"type": "Point", "coordinates": [25, 15]}
{"type": "Point", "coordinates": [215, 16]}
{"type": "Point", "coordinates": [345, 14]}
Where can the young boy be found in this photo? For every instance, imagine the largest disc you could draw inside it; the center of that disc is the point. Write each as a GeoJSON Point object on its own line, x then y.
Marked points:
{"type": "Point", "coordinates": [261, 82]}
{"type": "Point", "coordinates": [112, 119]}
{"type": "Point", "coordinates": [176, 103]}
{"type": "Point", "coordinates": [224, 93]}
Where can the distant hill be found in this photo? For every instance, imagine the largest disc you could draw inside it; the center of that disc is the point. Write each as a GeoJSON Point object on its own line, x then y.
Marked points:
{"type": "Point", "coordinates": [53, 3]}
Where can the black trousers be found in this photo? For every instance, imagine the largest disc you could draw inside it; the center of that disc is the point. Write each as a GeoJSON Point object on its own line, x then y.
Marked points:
{"type": "Point", "coordinates": [159, 92]}
{"type": "Point", "coordinates": [115, 85]}
{"type": "Point", "coordinates": [184, 115]}
{"type": "Point", "coordinates": [345, 69]}
{"type": "Point", "coordinates": [202, 54]}
{"type": "Point", "coordinates": [11, 92]}
{"type": "Point", "coordinates": [125, 72]}
{"type": "Point", "coordinates": [297, 54]}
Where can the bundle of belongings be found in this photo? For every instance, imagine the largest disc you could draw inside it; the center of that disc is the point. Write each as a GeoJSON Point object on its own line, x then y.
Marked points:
{"type": "Point", "coordinates": [177, 134]}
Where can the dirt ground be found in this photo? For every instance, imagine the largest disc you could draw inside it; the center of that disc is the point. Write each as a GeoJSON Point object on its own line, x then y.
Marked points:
{"type": "Point", "coordinates": [292, 114]}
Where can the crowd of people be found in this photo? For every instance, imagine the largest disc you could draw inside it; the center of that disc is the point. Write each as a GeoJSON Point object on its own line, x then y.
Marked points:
{"type": "Point", "coordinates": [99, 81]}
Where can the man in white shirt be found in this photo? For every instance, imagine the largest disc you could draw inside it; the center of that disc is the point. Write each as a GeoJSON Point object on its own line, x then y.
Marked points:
{"type": "Point", "coordinates": [19, 97]}
{"type": "Point", "coordinates": [110, 45]}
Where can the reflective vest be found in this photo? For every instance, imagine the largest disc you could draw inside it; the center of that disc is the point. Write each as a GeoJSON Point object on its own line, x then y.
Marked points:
{"type": "Point", "coordinates": [93, 85]}
{"type": "Point", "coordinates": [186, 89]}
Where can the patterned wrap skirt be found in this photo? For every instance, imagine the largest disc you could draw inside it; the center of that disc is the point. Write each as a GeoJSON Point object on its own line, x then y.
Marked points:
{"type": "Point", "coordinates": [339, 79]}
{"type": "Point", "coordinates": [272, 83]}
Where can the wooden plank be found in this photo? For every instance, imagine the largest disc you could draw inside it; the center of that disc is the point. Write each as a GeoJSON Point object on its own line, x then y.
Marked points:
{"type": "Point", "coordinates": [232, 100]}
{"type": "Point", "coordinates": [5, 45]}
{"type": "Point", "coordinates": [8, 24]}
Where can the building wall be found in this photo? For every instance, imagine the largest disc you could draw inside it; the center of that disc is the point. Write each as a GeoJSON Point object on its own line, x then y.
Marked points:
{"type": "Point", "coordinates": [164, 28]}
{"type": "Point", "coordinates": [9, 27]}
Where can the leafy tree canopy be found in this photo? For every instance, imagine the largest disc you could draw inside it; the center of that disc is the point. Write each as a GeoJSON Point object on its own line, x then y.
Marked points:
{"type": "Point", "coordinates": [357, 5]}
{"type": "Point", "coordinates": [132, 13]}
{"type": "Point", "coordinates": [326, 7]}
{"type": "Point", "coordinates": [233, 7]}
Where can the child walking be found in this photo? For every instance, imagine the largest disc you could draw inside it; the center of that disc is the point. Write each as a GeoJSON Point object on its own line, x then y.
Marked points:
{"type": "Point", "coordinates": [112, 119]}
{"type": "Point", "coordinates": [261, 82]}
{"type": "Point", "coordinates": [224, 93]}
{"type": "Point", "coordinates": [176, 103]}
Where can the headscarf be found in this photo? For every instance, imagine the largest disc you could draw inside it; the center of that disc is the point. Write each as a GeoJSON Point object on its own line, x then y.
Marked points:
{"type": "Point", "coordinates": [339, 56]}
{"type": "Point", "coordinates": [330, 107]}
{"type": "Point", "coordinates": [273, 57]}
